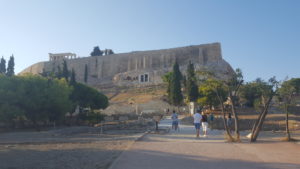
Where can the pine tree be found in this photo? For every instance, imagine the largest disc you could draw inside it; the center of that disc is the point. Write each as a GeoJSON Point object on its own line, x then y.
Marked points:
{"type": "Point", "coordinates": [85, 73]}
{"type": "Point", "coordinates": [59, 73]}
{"type": "Point", "coordinates": [96, 51]}
{"type": "Point", "coordinates": [2, 66]}
{"type": "Point", "coordinates": [191, 86]}
{"type": "Point", "coordinates": [175, 86]}
{"type": "Point", "coordinates": [65, 71]}
{"type": "Point", "coordinates": [73, 78]}
{"type": "Point", "coordinates": [11, 66]}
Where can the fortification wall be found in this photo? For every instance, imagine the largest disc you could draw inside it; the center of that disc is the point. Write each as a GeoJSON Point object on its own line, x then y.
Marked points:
{"type": "Point", "coordinates": [140, 67]}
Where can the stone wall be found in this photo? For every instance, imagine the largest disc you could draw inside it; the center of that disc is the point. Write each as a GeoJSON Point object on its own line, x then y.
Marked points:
{"type": "Point", "coordinates": [129, 69]}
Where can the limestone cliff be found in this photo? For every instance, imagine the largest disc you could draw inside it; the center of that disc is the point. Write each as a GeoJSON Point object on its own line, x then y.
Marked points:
{"type": "Point", "coordinates": [140, 67]}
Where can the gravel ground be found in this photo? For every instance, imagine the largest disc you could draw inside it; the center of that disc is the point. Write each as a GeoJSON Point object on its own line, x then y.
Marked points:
{"type": "Point", "coordinates": [66, 148]}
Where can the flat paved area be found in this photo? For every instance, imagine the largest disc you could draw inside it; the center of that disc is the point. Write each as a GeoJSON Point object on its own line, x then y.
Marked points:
{"type": "Point", "coordinates": [181, 150]}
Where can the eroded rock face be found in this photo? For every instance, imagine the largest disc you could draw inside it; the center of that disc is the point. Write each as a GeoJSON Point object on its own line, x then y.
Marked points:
{"type": "Point", "coordinates": [141, 67]}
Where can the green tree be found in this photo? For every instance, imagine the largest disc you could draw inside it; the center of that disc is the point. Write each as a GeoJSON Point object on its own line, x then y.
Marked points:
{"type": "Point", "coordinates": [65, 71]}
{"type": "Point", "coordinates": [233, 85]}
{"type": "Point", "coordinates": [167, 79]}
{"type": "Point", "coordinates": [96, 51]}
{"type": "Point", "coordinates": [73, 78]}
{"type": "Point", "coordinates": [191, 86]}
{"type": "Point", "coordinates": [11, 67]}
{"type": "Point", "coordinates": [85, 96]}
{"type": "Point", "coordinates": [249, 92]}
{"type": "Point", "coordinates": [36, 98]}
{"type": "Point", "coordinates": [2, 66]}
{"type": "Point", "coordinates": [59, 73]}
{"type": "Point", "coordinates": [108, 52]}
{"type": "Point", "coordinates": [58, 102]}
{"type": "Point", "coordinates": [85, 73]}
{"type": "Point", "coordinates": [11, 92]}
{"type": "Point", "coordinates": [221, 94]}
{"type": "Point", "coordinates": [266, 91]}
{"type": "Point", "coordinates": [48, 99]}
{"type": "Point", "coordinates": [287, 92]}
{"type": "Point", "coordinates": [175, 86]}
{"type": "Point", "coordinates": [208, 95]}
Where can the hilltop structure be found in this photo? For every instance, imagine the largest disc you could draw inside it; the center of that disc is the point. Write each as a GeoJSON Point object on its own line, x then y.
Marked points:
{"type": "Point", "coordinates": [138, 68]}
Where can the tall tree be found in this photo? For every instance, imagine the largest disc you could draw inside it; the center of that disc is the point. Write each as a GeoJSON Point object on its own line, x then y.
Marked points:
{"type": "Point", "coordinates": [167, 79]}
{"type": "Point", "coordinates": [65, 71]}
{"type": "Point", "coordinates": [49, 98]}
{"type": "Point", "coordinates": [85, 73]}
{"type": "Point", "coordinates": [221, 94]}
{"type": "Point", "coordinates": [191, 86]}
{"type": "Point", "coordinates": [249, 92]}
{"type": "Point", "coordinates": [233, 85]}
{"type": "Point", "coordinates": [207, 93]}
{"type": "Point", "coordinates": [2, 66]}
{"type": "Point", "coordinates": [11, 66]}
{"type": "Point", "coordinates": [266, 91]}
{"type": "Point", "coordinates": [85, 96]}
{"type": "Point", "coordinates": [96, 51]}
{"type": "Point", "coordinates": [73, 78]}
{"type": "Point", "coordinates": [59, 73]}
{"type": "Point", "coordinates": [175, 86]}
{"type": "Point", "coordinates": [110, 52]}
{"type": "Point", "coordinates": [287, 92]}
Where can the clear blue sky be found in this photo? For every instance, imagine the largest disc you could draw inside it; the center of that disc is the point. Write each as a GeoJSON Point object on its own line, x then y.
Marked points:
{"type": "Point", "coordinates": [262, 37]}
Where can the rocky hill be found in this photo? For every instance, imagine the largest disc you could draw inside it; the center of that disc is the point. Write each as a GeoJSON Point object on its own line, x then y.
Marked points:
{"type": "Point", "coordinates": [120, 76]}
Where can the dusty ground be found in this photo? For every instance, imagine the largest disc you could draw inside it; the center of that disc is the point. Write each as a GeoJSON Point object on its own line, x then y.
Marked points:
{"type": "Point", "coordinates": [180, 150]}
{"type": "Point", "coordinates": [66, 148]}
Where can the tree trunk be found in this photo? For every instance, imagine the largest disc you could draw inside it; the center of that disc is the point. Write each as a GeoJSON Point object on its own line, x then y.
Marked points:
{"type": "Point", "coordinates": [288, 136]}
{"type": "Point", "coordinates": [255, 124]}
{"type": "Point", "coordinates": [236, 119]}
{"type": "Point", "coordinates": [225, 125]}
{"type": "Point", "coordinates": [224, 118]}
{"type": "Point", "coordinates": [259, 122]}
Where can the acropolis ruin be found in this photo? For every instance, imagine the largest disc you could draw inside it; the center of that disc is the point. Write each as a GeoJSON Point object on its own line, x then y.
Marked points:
{"type": "Point", "coordinates": [140, 67]}
{"type": "Point", "coordinates": [61, 56]}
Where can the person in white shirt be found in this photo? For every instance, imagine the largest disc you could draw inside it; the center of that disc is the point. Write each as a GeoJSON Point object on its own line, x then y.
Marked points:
{"type": "Point", "coordinates": [197, 122]}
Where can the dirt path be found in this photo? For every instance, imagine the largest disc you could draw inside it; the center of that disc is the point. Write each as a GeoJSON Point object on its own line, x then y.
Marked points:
{"type": "Point", "coordinates": [177, 150]}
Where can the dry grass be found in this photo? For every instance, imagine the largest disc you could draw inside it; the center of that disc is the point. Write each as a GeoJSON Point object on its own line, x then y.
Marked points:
{"type": "Point", "coordinates": [138, 96]}
{"type": "Point", "coordinates": [288, 139]}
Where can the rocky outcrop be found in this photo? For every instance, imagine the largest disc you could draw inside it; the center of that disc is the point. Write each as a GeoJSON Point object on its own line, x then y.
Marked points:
{"type": "Point", "coordinates": [140, 67]}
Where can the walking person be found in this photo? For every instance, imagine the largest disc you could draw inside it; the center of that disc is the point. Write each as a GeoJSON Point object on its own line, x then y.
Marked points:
{"type": "Point", "coordinates": [174, 120]}
{"type": "Point", "coordinates": [204, 123]}
{"type": "Point", "coordinates": [197, 122]}
{"type": "Point", "coordinates": [211, 118]}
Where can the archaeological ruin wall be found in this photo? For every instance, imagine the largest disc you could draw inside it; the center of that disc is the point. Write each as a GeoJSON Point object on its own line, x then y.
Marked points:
{"type": "Point", "coordinates": [141, 67]}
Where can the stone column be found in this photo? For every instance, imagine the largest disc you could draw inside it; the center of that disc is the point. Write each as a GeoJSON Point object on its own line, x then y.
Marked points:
{"type": "Point", "coordinates": [144, 62]}
{"type": "Point", "coordinates": [129, 64]}
{"type": "Point", "coordinates": [136, 63]}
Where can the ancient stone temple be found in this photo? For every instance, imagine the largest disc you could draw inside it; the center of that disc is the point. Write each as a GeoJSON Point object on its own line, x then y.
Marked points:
{"type": "Point", "coordinates": [59, 56]}
{"type": "Point", "coordinates": [140, 67]}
